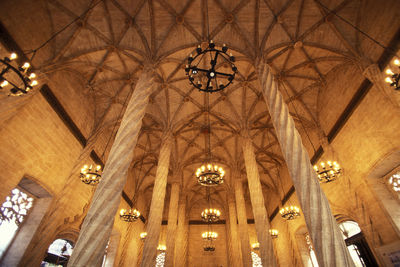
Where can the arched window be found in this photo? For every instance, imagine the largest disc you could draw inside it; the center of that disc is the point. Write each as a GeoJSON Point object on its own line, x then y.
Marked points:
{"type": "Point", "coordinates": [357, 245]}
{"type": "Point", "coordinates": [312, 259]}
{"type": "Point", "coordinates": [58, 253]}
{"type": "Point", "coordinates": [12, 213]}
{"type": "Point", "coordinates": [160, 260]}
{"type": "Point", "coordinates": [256, 259]}
{"type": "Point", "coordinates": [394, 182]}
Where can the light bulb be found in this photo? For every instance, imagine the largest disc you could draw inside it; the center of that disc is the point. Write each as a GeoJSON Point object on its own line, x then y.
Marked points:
{"type": "Point", "coordinates": [4, 83]}
{"type": "Point", "coordinates": [32, 76]}
{"type": "Point", "coordinates": [388, 80]}
{"type": "Point", "coordinates": [26, 65]}
{"type": "Point", "coordinates": [389, 72]}
{"type": "Point", "coordinates": [34, 82]}
{"type": "Point", "coordinates": [13, 56]}
{"type": "Point", "coordinates": [396, 62]}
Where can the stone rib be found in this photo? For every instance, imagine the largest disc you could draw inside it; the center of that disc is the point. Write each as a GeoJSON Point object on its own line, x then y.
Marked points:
{"type": "Point", "coordinates": [97, 225]}
{"type": "Point", "coordinates": [324, 232]}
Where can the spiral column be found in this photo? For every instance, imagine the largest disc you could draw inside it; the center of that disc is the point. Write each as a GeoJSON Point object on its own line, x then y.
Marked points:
{"type": "Point", "coordinates": [97, 225]}
{"type": "Point", "coordinates": [233, 230]}
{"type": "Point", "coordinates": [157, 204]}
{"type": "Point", "coordinates": [243, 228]}
{"type": "Point", "coordinates": [181, 236]}
{"type": "Point", "coordinates": [172, 224]}
{"type": "Point", "coordinates": [324, 232]}
{"type": "Point", "coordinates": [257, 202]}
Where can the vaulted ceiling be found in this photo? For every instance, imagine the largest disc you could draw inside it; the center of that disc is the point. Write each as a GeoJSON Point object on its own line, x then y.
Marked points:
{"type": "Point", "coordinates": [99, 49]}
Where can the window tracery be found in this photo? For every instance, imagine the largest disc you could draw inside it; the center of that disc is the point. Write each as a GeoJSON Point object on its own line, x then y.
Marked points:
{"type": "Point", "coordinates": [256, 259]}
{"type": "Point", "coordinates": [394, 181]}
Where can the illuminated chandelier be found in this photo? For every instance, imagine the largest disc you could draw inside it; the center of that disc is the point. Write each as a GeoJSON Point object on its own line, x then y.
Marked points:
{"type": "Point", "coordinates": [393, 78]}
{"type": "Point", "coordinates": [208, 78]}
{"type": "Point", "coordinates": [161, 248]}
{"type": "Point", "coordinates": [210, 175]}
{"type": "Point", "coordinates": [90, 175]}
{"type": "Point", "coordinates": [328, 172]}
{"type": "Point", "coordinates": [255, 246]}
{"type": "Point", "coordinates": [143, 235]}
{"type": "Point", "coordinates": [274, 233]}
{"type": "Point", "coordinates": [19, 79]}
{"type": "Point", "coordinates": [210, 215]}
{"type": "Point", "coordinates": [209, 237]}
{"type": "Point", "coordinates": [130, 215]}
{"type": "Point", "coordinates": [290, 212]}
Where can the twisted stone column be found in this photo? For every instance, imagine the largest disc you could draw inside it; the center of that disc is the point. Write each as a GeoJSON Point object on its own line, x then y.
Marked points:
{"type": "Point", "coordinates": [242, 219]}
{"type": "Point", "coordinates": [257, 202]}
{"type": "Point", "coordinates": [157, 204]}
{"type": "Point", "coordinates": [181, 237]}
{"type": "Point", "coordinates": [324, 232]}
{"type": "Point", "coordinates": [233, 231]}
{"type": "Point", "coordinates": [97, 225]}
{"type": "Point", "coordinates": [374, 74]}
{"type": "Point", "coordinates": [172, 224]}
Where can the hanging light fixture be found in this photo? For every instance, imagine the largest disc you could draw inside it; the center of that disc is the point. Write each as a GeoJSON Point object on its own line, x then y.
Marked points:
{"type": "Point", "coordinates": [274, 233]}
{"type": "Point", "coordinates": [209, 237]}
{"type": "Point", "coordinates": [328, 172]}
{"type": "Point", "coordinates": [203, 74]}
{"type": "Point", "coordinates": [90, 175]}
{"type": "Point", "coordinates": [255, 246]}
{"type": "Point", "coordinates": [18, 79]}
{"type": "Point", "coordinates": [393, 78]}
{"type": "Point", "coordinates": [210, 215]}
{"type": "Point", "coordinates": [290, 212]}
{"type": "Point", "coordinates": [130, 215]}
{"type": "Point", "coordinates": [143, 235]}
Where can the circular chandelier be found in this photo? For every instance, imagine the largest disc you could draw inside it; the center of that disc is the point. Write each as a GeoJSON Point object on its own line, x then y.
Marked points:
{"type": "Point", "coordinates": [210, 215]}
{"type": "Point", "coordinates": [130, 215]}
{"type": "Point", "coordinates": [290, 212]}
{"type": "Point", "coordinates": [209, 235]}
{"type": "Point", "coordinates": [210, 175]}
{"type": "Point", "coordinates": [273, 233]}
{"type": "Point", "coordinates": [393, 78]}
{"type": "Point", "coordinates": [255, 246]}
{"type": "Point", "coordinates": [17, 78]}
{"type": "Point", "coordinates": [207, 78]}
{"type": "Point", "coordinates": [90, 175]}
{"type": "Point", "coordinates": [143, 235]}
{"type": "Point", "coordinates": [328, 172]}
{"type": "Point", "coordinates": [161, 248]}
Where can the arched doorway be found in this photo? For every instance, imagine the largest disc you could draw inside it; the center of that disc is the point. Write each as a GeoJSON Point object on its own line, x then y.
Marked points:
{"type": "Point", "coordinates": [58, 253]}
{"type": "Point", "coordinates": [357, 245]}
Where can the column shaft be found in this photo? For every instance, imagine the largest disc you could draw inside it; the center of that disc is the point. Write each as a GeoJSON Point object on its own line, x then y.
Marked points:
{"type": "Point", "coordinates": [257, 202]}
{"type": "Point", "coordinates": [157, 205]}
{"type": "Point", "coordinates": [181, 237]}
{"type": "Point", "coordinates": [233, 229]}
{"type": "Point", "coordinates": [172, 224]}
{"type": "Point", "coordinates": [97, 225]}
{"type": "Point", "coordinates": [242, 219]}
{"type": "Point", "coordinates": [325, 234]}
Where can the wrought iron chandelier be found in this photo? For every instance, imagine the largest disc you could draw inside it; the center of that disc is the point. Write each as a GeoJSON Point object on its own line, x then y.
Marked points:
{"type": "Point", "coordinates": [202, 68]}
{"type": "Point", "coordinates": [328, 171]}
{"type": "Point", "coordinates": [143, 235]}
{"type": "Point", "coordinates": [162, 248]}
{"type": "Point", "coordinates": [209, 237]}
{"type": "Point", "coordinates": [130, 215]}
{"type": "Point", "coordinates": [255, 246]}
{"type": "Point", "coordinates": [210, 175]}
{"type": "Point", "coordinates": [290, 212]}
{"type": "Point", "coordinates": [17, 78]}
{"type": "Point", "coordinates": [210, 215]}
{"type": "Point", "coordinates": [274, 233]}
{"type": "Point", "coordinates": [393, 78]}
{"type": "Point", "coordinates": [90, 175]}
